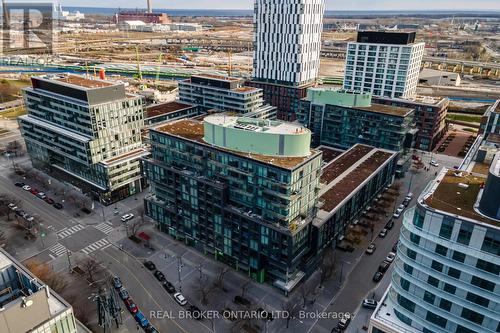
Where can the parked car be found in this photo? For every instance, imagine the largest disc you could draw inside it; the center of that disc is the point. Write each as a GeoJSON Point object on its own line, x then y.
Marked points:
{"type": "Point", "coordinates": [11, 206]}
{"type": "Point", "coordinates": [129, 303]}
{"type": "Point", "coordinates": [409, 196]}
{"type": "Point", "coordinates": [371, 248]}
{"type": "Point", "coordinates": [397, 213]}
{"type": "Point", "coordinates": [406, 202]}
{"type": "Point", "coordinates": [48, 200]}
{"type": "Point", "coordinates": [401, 206]}
{"type": "Point", "coordinates": [19, 184]}
{"type": "Point", "coordinates": [378, 276]}
{"type": "Point", "coordinates": [168, 287]}
{"type": "Point", "coordinates": [41, 195]}
{"type": "Point", "coordinates": [159, 276]}
{"type": "Point", "coordinates": [127, 217]}
{"type": "Point", "coordinates": [369, 303]}
{"type": "Point", "coordinates": [390, 257]}
{"type": "Point", "coordinates": [344, 322]}
{"type": "Point", "coordinates": [123, 293]}
{"type": "Point", "coordinates": [27, 188]}
{"type": "Point", "coordinates": [141, 319]}
{"type": "Point", "coordinates": [57, 205]}
{"type": "Point", "coordinates": [34, 191]}
{"type": "Point", "coordinates": [384, 266]}
{"type": "Point", "coordinates": [151, 329]}
{"type": "Point", "coordinates": [195, 312]}
{"type": "Point", "coordinates": [382, 233]}
{"type": "Point", "coordinates": [150, 265]}
{"type": "Point", "coordinates": [389, 224]}
{"type": "Point", "coordinates": [395, 247]}
{"type": "Point", "coordinates": [117, 283]}
{"type": "Point", "coordinates": [180, 299]}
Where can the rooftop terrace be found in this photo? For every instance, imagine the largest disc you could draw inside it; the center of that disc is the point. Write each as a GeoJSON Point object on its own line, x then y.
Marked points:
{"type": "Point", "coordinates": [83, 82]}
{"type": "Point", "coordinates": [166, 108]}
{"type": "Point", "coordinates": [387, 109]}
{"type": "Point", "coordinates": [344, 162]}
{"type": "Point", "coordinates": [448, 196]}
{"type": "Point", "coordinates": [193, 130]}
{"type": "Point", "coordinates": [348, 182]}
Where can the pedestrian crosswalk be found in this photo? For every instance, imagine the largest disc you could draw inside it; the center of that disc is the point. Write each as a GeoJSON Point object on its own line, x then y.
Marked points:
{"type": "Point", "coordinates": [66, 232]}
{"type": "Point", "coordinates": [57, 250]}
{"type": "Point", "coordinates": [100, 244]}
{"type": "Point", "coordinates": [105, 227]}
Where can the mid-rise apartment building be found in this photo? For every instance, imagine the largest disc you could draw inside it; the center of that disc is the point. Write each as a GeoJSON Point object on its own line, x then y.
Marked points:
{"type": "Point", "coordinates": [384, 63]}
{"type": "Point", "coordinates": [27, 305]}
{"type": "Point", "coordinates": [430, 117]}
{"type": "Point", "coordinates": [287, 46]}
{"type": "Point", "coordinates": [224, 93]}
{"type": "Point", "coordinates": [86, 132]}
{"type": "Point", "coordinates": [446, 274]}
{"type": "Point", "coordinates": [241, 190]}
{"type": "Point", "coordinates": [340, 119]}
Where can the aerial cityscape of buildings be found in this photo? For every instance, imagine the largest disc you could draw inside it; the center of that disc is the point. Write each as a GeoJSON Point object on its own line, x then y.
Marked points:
{"type": "Point", "coordinates": [139, 184]}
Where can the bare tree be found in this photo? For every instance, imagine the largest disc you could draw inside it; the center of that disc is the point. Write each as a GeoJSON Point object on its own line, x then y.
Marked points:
{"type": "Point", "coordinates": [290, 310]}
{"type": "Point", "coordinates": [141, 212]}
{"type": "Point", "coordinates": [305, 291]}
{"type": "Point", "coordinates": [5, 200]}
{"type": "Point", "coordinates": [44, 272]}
{"type": "Point", "coordinates": [327, 266]}
{"type": "Point", "coordinates": [135, 226]}
{"type": "Point", "coordinates": [204, 288]}
{"type": "Point", "coordinates": [91, 266]}
{"type": "Point", "coordinates": [219, 281]}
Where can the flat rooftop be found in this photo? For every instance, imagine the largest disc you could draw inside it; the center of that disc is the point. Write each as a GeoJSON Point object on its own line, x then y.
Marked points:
{"type": "Point", "coordinates": [368, 160]}
{"type": "Point", "coordinates": [329, 153]}
{"type": "Point", "coordinates": [217, 77]}
{"type": "Point", "coordinates": [136, 153]}
{"type": "Point", "coordinates": [165, 108]}
{"type": "Point", "coordinates": [193, 130]}
{"type": "Point", "coordinates": [257, 125]}
{"type": "Point", "coordinates": [448, 196]}
{"type": "Point", "coordinates": [344, 162]}
{"type": "Point", "coordinates": [245, 89]}
{"type": "Point", "coordinates": [387, 109]}
{"type": "Point", "coordinates": [83, 82]}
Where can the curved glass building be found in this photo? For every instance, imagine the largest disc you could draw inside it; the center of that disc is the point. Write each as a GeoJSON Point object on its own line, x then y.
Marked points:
{"type": "Point", "coordinates": [447, 271]}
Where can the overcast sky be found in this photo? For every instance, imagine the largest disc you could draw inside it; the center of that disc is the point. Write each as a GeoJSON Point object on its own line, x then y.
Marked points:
{"type": "Point", "coordinates": [331, 4]}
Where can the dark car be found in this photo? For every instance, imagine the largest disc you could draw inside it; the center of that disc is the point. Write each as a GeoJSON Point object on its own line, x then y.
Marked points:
{"type": "Point", "coordinates": [34, 191]}
{"type": "Point", "coordinates": [129, 303]}
{"type": "Point", "coordinates": [57, 205]}
{"type": "Point", "coordinates": [19, 184]}
{"type": "Point", "coordinates": [384, 266]}
{"type": "Point", "coordinates": [117, 283]}
{"type": "Point", "coordinates": [48, 200]}
{"type": "Point", "coordinates": [123, 293]}
{"type": "Point", "coordinates": [151, 329]}
{"type": "Point", "coordinates": [141, 319]}
{"type": "Point", "coordinates": [378, 276]}
{"type": "Point", "coordinates": [395, 247]}
{"type": "Point", "coordinates": [168, 287]}
{"type": "Point", "coordinates": [389, 224]}
{"type": "Point", "coordinates": [195, 312]}
{"type": "Point", "coordinates": [150, 265]}
{"type": "Point", "coordinates": [159, 276]}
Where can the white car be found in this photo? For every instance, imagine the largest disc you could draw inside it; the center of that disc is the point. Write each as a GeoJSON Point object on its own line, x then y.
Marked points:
{"type": "Point", "coordinates": [27, 188]}
{"type": "Point", "coordinates": [434, 163]}
{"type": "Point", "coordinates": [402, 207]}
{"type": "Point", "coordinates": [382, 233]}
{"type": "Point", "coordinates": [180, 299]}
{"type": "Point", "coordinates": [390, 257]}
{"type": "Point", "coordinates": [409, 196]}
{"type": "Point", "coordinates": [127, 217]}
{"type": "Point", "coordinates": [397, 213]}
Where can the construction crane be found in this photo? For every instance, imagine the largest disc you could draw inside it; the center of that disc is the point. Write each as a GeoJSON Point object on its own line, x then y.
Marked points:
{"type": "Point", "coordinates": [139, 73]}
{"type": "Point", "coordinates": [160, 58]}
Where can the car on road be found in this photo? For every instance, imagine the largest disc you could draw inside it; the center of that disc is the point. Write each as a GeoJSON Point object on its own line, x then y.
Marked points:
{"type": "Point", "coordinates": [390, 257]}
{"type": "Point", "coordinates": [41, 195]}
{"type": "Point", "coordinates": [409, 196]}
{"type": "Point", "coordinates": [159, 275]}
{"type": "Point", "coordinates": [57, 205]}
{"type": "Point", "coordinates": [389, 224]}
{"type": "Point", "coordinates": [151, 329]}
{"type": "Point", "coordinates": [117, 283]}
{"type": "Point", "coordinates": [384, 266]}
{"type": "Point", "coordinates": [180, 299]}
{"type": "Point", "coordinates": [434, 163]}
{"type": "Point", "coordinates": [397, 213]}
{"type": "Point", "coordinates": [123, 293]}
{"type": "Point", "coordinates": [401, 206]}
{"type": "Point", "coordinates": [27, 188]}
{"type": "Point", "coordinates": [168, 287]}
{"type": "Point", "coordinates": [344, 322]}
{"type": "Point", "coordinates": [129, 303]}
{"type": "Point", "coordinates": [149, 265]}
{"type": "Point", "coordinates": [377, 276]}
{"type": "Point", "coordinates": [336, 330]}
{"type": "Point", "coordinates": [127, 217]}
{"type": "Point", "coordinates": [371, 248]}
{"type": "Point", "coordinates": [12, 205]}
{"type": "Point", "coordinates": [395, 247]}
{"type": "Point", "coordinates": [195, 312]}
{"type": "Point", "coordinates": [34, 191]}
{"type": "Point", "coordinates": [382, 233]}
{"type": "Point", "coordinates": [48, 200]}
{"type": "Point", "coordinates": [141, 319]}
{"type": "Point", "coordinates": [19, 184]}
{"type": "Point", "coordinates": [369, 303]}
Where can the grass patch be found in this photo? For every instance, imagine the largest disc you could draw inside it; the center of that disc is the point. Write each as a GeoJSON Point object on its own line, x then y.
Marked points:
{"type": "Point", "coordinates": [464, 118]}
{"type": "Point", "coordinates": [473, 130]}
